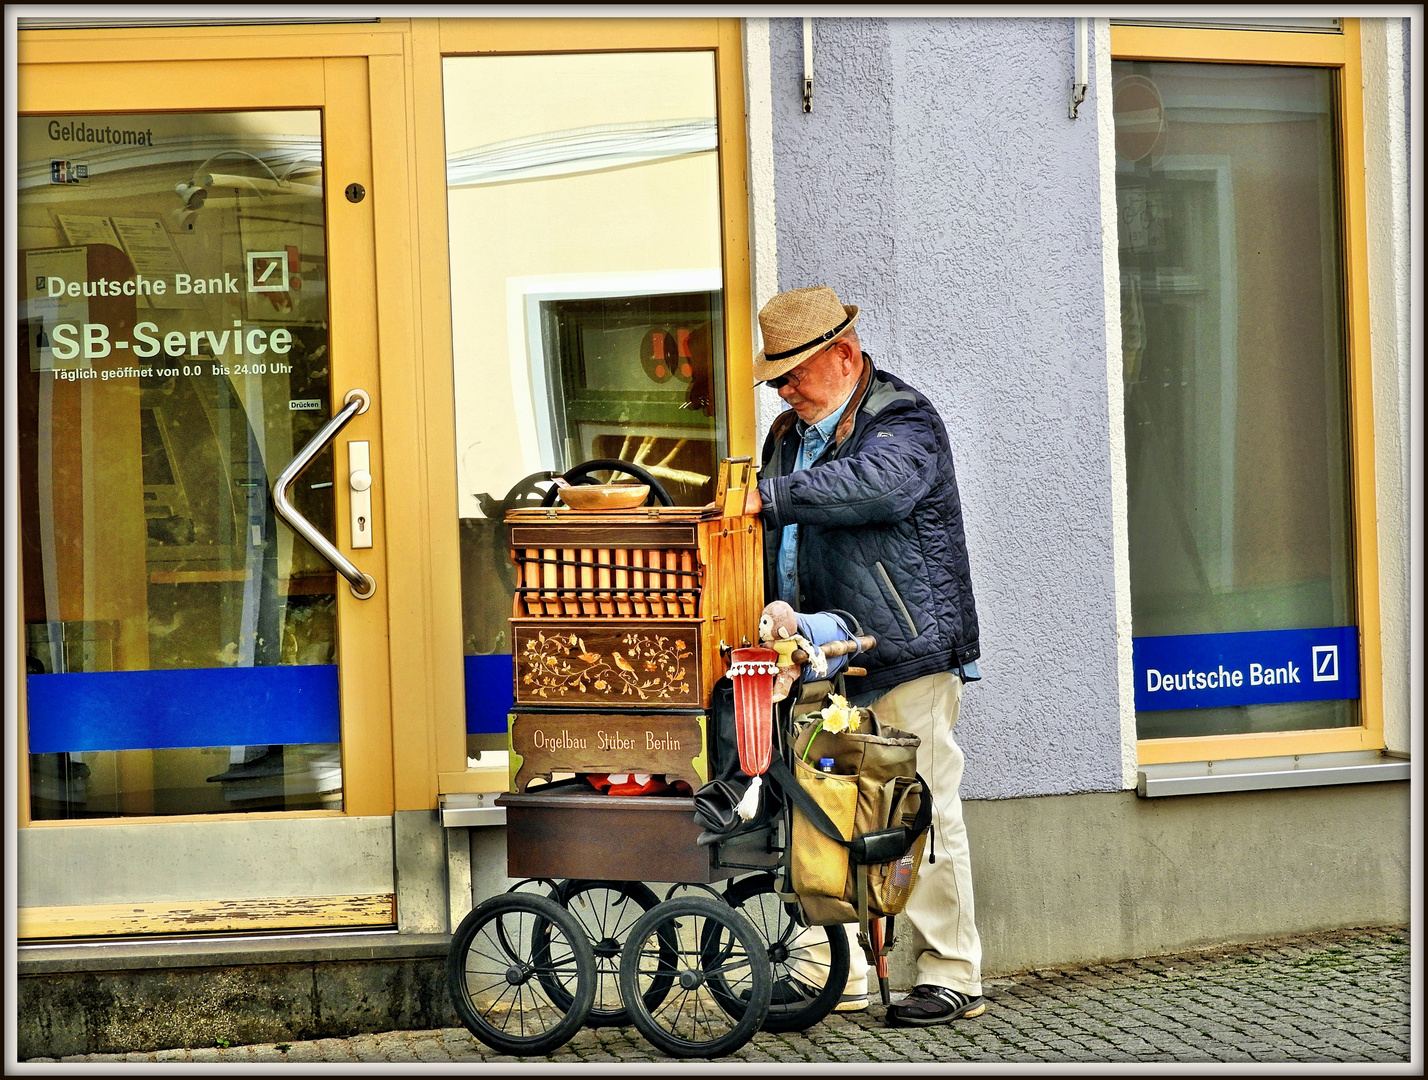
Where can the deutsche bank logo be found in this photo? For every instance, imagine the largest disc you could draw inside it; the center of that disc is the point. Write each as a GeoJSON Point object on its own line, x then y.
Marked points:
{"type": "Point", "coordinates": [1326, 663]}
{"type": "Point", "coordinates": [267, 271]}
{"type": "Point", "coordinates": [1249, 667]}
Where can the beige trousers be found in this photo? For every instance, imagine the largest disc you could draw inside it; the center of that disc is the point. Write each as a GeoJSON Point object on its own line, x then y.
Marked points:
{"type": "Point", "coordinates": [940, 917]}
{"type": "Point", "coordinates": [940, 914]}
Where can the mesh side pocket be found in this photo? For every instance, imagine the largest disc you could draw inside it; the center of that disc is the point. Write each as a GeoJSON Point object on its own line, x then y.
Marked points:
{"type": "Point", "coordinates": [891, 884]}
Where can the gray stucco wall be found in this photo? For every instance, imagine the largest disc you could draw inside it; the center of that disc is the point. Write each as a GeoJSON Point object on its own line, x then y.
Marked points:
{"type": "Point", "coordinates": [940, 185]}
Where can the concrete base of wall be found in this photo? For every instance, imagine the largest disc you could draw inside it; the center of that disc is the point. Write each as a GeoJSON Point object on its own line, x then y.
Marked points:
{"type": "Point", "coordinates": [124, 998]}
{"type": "Point", "coordinates": [1075, 879]}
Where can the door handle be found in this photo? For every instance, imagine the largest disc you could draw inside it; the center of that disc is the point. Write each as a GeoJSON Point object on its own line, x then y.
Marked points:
{"type": "Point", "coordinates": [363, 585]}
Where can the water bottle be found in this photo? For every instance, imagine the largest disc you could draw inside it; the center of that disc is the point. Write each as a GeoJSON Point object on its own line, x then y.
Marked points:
{"type": "Point", "coordinates": [825, 765]}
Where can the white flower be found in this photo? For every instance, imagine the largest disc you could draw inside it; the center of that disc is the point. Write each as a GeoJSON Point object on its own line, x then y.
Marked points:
{"type": "Point", "coordinates": [839, 716]}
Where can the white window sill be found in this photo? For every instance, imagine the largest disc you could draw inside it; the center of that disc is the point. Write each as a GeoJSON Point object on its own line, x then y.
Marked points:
{"type": "Point", "coordinates": [1259, 774]}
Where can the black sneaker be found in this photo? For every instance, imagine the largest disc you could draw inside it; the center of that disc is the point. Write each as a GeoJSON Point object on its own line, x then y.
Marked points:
{"type": "Point", "coordinates": [789, 991]}
{"type": "Point", "coordinates": [927, 1005]}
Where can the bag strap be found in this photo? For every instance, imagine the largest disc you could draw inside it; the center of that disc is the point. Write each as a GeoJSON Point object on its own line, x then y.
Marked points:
{"type": "Point", "coordinates": [804, 801]}
{"type": "Point", "coordinates": [922, 820]}
{"type": "Point", "coordinates": [860, 901]}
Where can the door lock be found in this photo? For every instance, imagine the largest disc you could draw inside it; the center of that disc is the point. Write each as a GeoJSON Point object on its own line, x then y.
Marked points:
{"type": "Point", "coordinates": [359, 478]}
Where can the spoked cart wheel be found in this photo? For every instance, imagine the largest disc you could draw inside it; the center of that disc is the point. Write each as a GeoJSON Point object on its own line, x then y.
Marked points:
{"type": "Point", "coordinates": [716, 949]}
{"type": "Point", "coordinates": [606, 910]}
{"type": "Point", "coordinates": [809, 964]}
{"type": "Point", "coordinates": [504, 956]}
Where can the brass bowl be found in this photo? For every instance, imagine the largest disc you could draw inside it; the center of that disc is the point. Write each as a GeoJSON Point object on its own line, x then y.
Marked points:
{"type": "Point", "coordinates": [604, 496]}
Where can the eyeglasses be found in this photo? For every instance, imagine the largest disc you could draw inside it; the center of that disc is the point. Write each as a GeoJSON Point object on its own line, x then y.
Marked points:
{"type": "Point", "coordinates": [794, 377]}
{"type": "Point", "coordinates": [798, 374]}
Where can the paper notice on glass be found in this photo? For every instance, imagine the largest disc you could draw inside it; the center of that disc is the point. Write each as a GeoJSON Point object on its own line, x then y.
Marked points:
{"type": "Point", "coordinates": [48, 304]}
{"type": "Point", "coordinates": [80, 229]}
{"type": "Point", "coordinates": [151, 250]}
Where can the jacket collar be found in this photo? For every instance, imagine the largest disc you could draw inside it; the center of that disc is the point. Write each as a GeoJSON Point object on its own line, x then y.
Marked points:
{"type": "Point", "coordinates": [860, 393]}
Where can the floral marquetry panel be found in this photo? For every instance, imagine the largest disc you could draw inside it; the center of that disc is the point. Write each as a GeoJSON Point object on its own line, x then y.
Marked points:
{"type": "Point", "coordinates": [608, 663]}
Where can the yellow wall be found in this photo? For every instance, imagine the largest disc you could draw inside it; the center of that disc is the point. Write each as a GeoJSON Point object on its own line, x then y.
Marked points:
{"type": "Point", "coordinates": [640, 219]}
{"type": "Point", "coordinates": [493, 98]}
{"type": "Point", "coordinates": [588, 226]}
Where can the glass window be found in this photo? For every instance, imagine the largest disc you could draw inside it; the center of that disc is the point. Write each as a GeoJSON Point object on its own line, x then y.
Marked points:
{"type": "Point", "coordinates": [587, 299]}
{"type": "Point", "coordinates": [180, 646]}
{"type": "Point", "coordinates": [1235, 397]}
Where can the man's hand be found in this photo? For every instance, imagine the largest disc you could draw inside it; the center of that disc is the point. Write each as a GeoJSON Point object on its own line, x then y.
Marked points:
{"type": "Point", "coordinates": [753, 504]}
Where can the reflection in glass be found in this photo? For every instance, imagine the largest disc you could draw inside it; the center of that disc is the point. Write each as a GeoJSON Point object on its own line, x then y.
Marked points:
{"type": "Point", "coordinates": [632, 378]}
{"type": "Point", "coordinates": [1231, 310]}
{"type": "Point", "coordinates": [587, 297]}
{"type": "Point", "coordinates": [174, 346]}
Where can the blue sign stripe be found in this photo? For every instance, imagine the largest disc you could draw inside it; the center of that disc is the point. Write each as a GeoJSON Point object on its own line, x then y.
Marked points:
{"type": "Point", "coordinates": [189, 707]}
{"type": "Point", "coordinates": [1261, 667]}
{"type": "Point", "coordinates": [490, 692]}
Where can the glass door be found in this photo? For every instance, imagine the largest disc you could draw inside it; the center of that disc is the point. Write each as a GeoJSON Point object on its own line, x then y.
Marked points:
{"type": "Point", "coordinates": [587, 245]}
{"type": "Point", "coordinates": [192, 272]}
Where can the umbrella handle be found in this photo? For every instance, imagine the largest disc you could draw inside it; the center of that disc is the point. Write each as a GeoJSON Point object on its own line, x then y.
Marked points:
{"type": "Point", "coordinates": [880, 956]}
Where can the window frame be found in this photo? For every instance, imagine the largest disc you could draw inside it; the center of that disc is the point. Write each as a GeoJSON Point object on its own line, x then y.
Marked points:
{"type": "Point", "coordinates": [422, 752]}
{"type": "Point", "coordinates": [1341, 52]}
{"type": "Point", "coordinates": [433, 40]}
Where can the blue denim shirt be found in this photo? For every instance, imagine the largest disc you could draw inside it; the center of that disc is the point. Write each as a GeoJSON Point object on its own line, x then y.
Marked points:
{"type": "Point", "coordinates": [814, 439]}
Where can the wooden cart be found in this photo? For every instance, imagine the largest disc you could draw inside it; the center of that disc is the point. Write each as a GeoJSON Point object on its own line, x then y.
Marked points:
{"type": "Point", "coordinates": [620, 624]}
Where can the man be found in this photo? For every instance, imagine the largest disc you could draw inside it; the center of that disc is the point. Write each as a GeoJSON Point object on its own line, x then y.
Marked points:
{"type": "Point", "coordinates": [861, 514]}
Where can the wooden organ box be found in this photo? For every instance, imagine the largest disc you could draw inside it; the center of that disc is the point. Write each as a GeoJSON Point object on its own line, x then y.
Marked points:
{"type": "Point", "coordinates": [618, 622]}
{"type": "Point", "coordinates": [617, 629]}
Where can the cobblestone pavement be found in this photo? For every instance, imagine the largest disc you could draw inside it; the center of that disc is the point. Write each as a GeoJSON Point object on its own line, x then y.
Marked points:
{"type": "Point", "coordinates": [1341, 996]}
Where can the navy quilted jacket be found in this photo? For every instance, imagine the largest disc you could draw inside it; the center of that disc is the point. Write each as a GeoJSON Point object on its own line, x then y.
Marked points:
{"type": "Point", "coordinates": [880, 530]}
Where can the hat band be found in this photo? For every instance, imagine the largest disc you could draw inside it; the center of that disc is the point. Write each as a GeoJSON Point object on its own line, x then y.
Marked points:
{"type": "Point", "coordinates": [815, 341]}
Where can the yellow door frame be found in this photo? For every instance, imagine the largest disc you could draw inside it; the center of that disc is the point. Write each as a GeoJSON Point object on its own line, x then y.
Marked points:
{"type": "Point", "coordinates": [1341, 52]}
{"type": "Point", "coordinates": [129, 71]}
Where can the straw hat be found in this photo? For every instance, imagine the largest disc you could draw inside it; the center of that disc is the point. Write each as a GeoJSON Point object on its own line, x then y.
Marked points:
{"type": "Point", "coordinates": [795, 325]}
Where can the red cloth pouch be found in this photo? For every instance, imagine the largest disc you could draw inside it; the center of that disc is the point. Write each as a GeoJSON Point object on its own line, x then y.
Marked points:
{"type": "Point", "coordinates": [653, 786]}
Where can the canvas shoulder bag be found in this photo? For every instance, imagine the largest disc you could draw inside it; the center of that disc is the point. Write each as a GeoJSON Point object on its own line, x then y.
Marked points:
{"type": "Point", "coordinates": [858, 834]}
